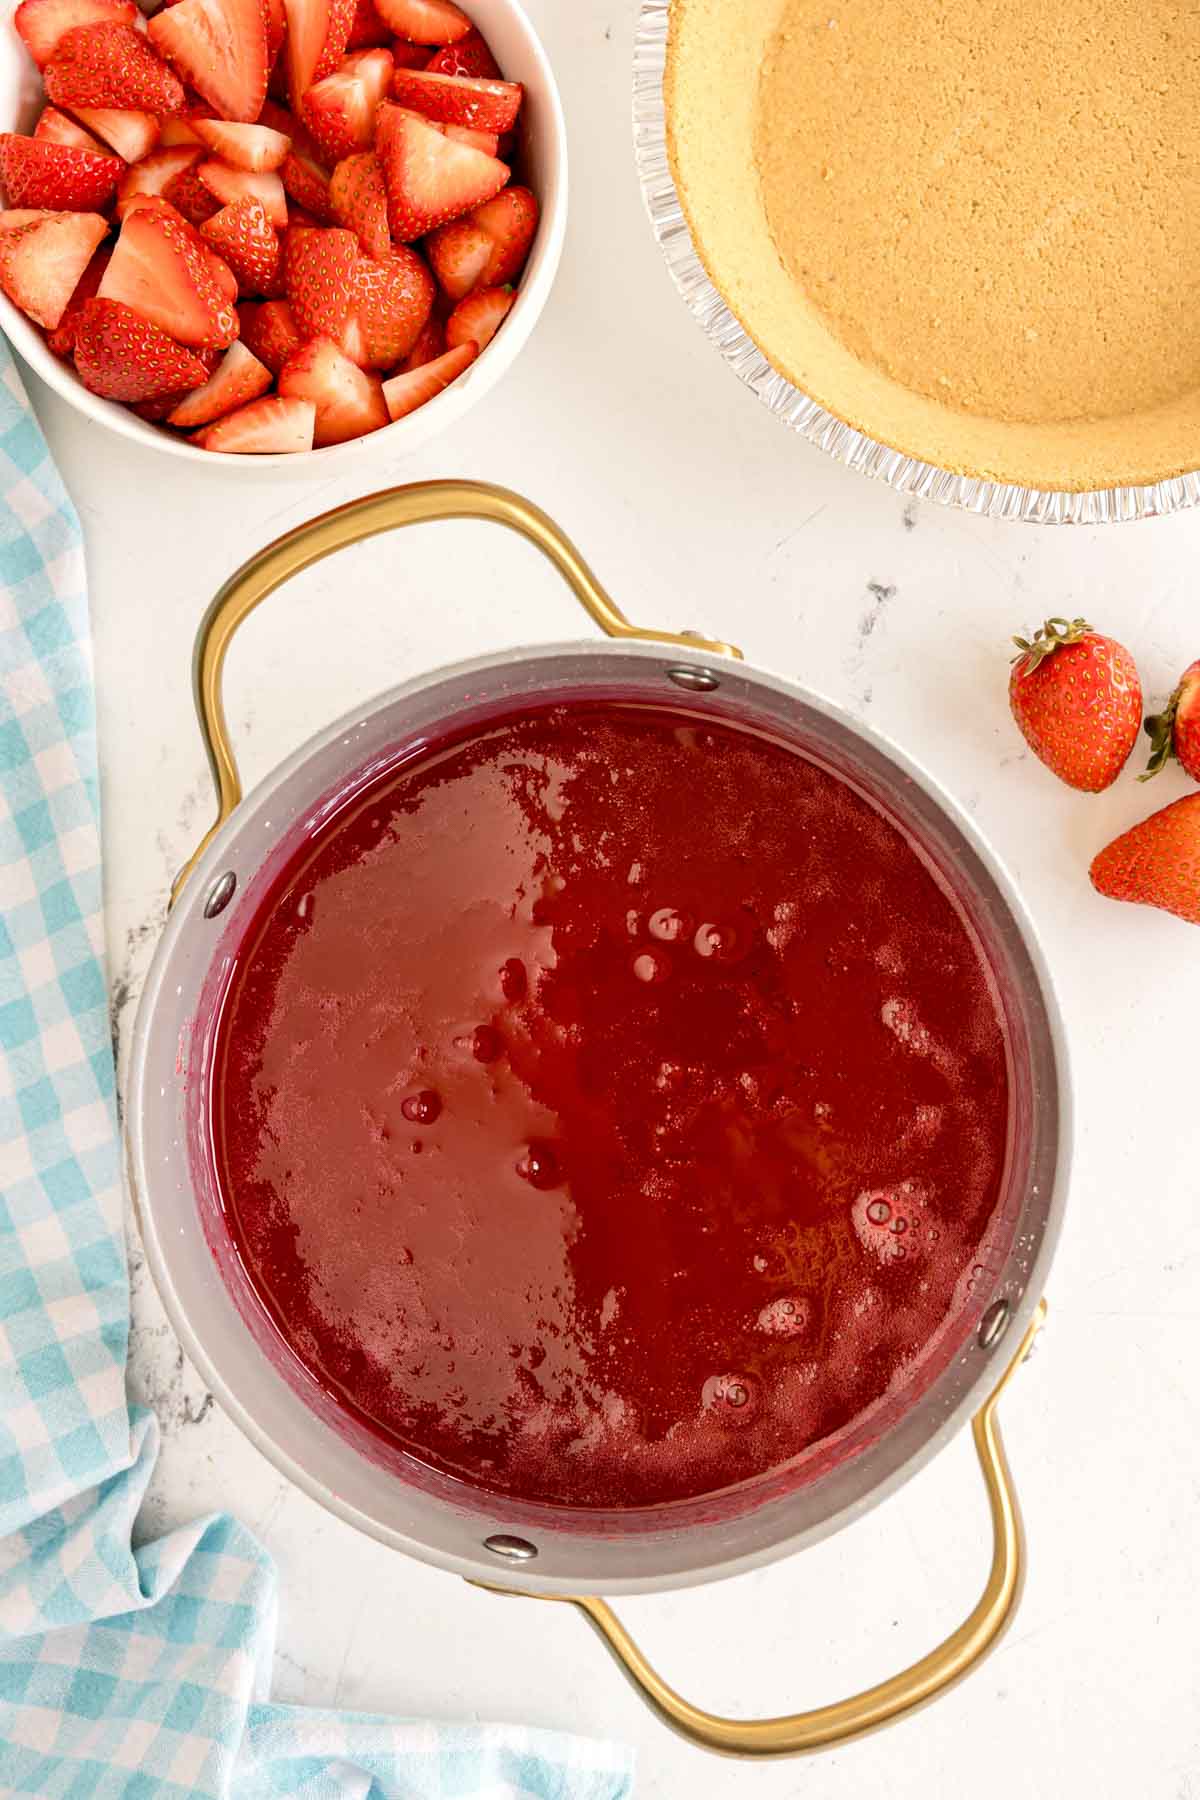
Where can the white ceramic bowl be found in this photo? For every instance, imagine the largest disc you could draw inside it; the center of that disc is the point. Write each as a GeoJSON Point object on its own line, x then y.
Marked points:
{"type": "Point", "coordinates": [519, 52]}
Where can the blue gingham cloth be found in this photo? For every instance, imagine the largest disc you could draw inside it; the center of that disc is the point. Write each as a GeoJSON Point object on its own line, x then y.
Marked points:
{"type": "Point", "coordinates": [134, 1673]}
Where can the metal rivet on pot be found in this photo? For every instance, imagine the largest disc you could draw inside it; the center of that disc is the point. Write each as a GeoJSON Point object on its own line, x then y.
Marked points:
{"type": "Point", "coordinates": [512, 1549]}
{"type": "Point", "coordinates": [994, 1323]}
{"type": "Point", "coordinates": [697, 681]}
{"type": "Point", "coordinates": [220, 894]}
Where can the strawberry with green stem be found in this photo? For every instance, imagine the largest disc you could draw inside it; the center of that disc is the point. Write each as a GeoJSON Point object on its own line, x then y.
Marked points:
{"type": "Point", "coordinates": [1077, 699]}
{"type": "Point", "coordinates": [1175, 731]}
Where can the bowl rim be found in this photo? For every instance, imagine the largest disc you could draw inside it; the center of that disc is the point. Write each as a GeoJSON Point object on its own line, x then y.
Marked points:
{"type": "Point", "coordinates": [438, 413]}
{"type": "Point", "coordinates": [907, 474]}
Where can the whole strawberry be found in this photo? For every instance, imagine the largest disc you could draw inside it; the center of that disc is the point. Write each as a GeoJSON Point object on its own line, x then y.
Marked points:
{"type": "Point", "coordinates": [1078, 701]}
{"type": "Point", "coordinates": [1157, 863]}
{"type": "Point", "coordinates": [1176, 730]}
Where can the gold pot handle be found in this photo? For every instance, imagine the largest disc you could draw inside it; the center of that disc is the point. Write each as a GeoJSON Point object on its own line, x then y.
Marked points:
{"type": "Point", "coordinates": [320, 537]}
{"type": "Point", "coordinates": [843, 1720]}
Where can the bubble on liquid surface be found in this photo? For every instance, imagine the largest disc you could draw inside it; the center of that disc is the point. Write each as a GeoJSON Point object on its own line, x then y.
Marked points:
{"type": "Point", "coordinates": [732, 1399]}
{"type": "Point", "coordinates": [669, 925]}
{"type": "Point", "coordinates": [723, 941]}
{"type": "Point", "coordinates": [539, 1166]}
{"type": "Point", "coordinates": [887, 1219]}
{"type": "Point", "coordinates": [787, 1316]}
{"type": "Point", "coordinates": [486, 1043]}
{"type": "Point", "coordinates": [422, 1108]}
{"type": "Point", "coordinates": [514, 982]}
{"type": "Point", "coordinates": [652, 966]}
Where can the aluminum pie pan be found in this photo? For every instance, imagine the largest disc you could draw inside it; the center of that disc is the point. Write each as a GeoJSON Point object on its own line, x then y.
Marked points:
{"type": "Point", "coordinates": [798, 410]}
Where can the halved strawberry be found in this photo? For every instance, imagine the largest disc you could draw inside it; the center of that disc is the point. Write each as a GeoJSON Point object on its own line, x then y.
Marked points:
{"type": "Point", "coordinates": [391, 303]}
{"type": "Point", "coordinates": [56, 176]}
{"type": "Point", "coordinates": [358, 197]}
{"type": "Point", "coordinates": [511, 221]}
{"type": "Point", "coordinates": [54, 127]}
{"type": "Point", "coordinates": [367, 30]}
{"type": "Point", "coordinates": [307, 184]}
{"type": "Point", "coordinates": [405, 392]}
{"type": "Point", "coordinates": [459, 254]}
{"type": "Point", "coordinates": [111, 66]}
{"type": "Point", "coordinates": [479, 317]}
{"type": "Point", "coordinates": [244, 236]}
{"type": "Point", "coordinates": [253, 147]}
{"type": "Point", "coordinates": [220, 47]}
{"type": "Point", "coordinates": [62, 339]}
{"type": "Point", "coordinates": [164, 270]}
{"type": "Point", "coordinates": [176, 131]}
{"type": "Point", "coordinates": [307, 29]}
{"type": "Point", "coordinates": [469, 56]}
{"type": "Point", "coordinates": [429, 346]}
{"type": "Point", "coordinates": [459, 99]}
{"type": "Point", "coordinates": [131, 134]}
{"type": "Point", "coordinates": [269, 330]}
{"type": "Point", "coordinates": [430, 179]}
{"type": "Point", "coordinates": [266, 427]}
{"type": "Point", "coordinates": [232, 185]}
{"type": "Point", "coordinates": [425, 21]}
{"type": "Point", "coordinates": [122, 356]}
{"type": "Point", "coordinates": [189, 196]}
{"type": "Point", "coordinates": [43, 22]}
{"type": "Point", "coordinates": [349, 403]}
{"type": "Point", "coordinates": [341, 18]}
{"type": "Point", "coordinates": [487, 141]}
{"type": "Point", "coordinates": [320, 269]}
{"type": "Point", "coordinates": [41, 263]}
{"type": "Point", "coordinates": [239, 377]}
{"type": "Point", "coordinates": [154, 174]}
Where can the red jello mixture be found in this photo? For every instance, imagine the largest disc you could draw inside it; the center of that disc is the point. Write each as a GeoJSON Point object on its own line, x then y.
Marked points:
{"type": "Point", "coordinates": [609, 1105]}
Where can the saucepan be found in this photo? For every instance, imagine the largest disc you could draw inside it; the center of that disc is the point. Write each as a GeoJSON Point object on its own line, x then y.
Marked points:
{"type": "Point", "coordinates": [557, 1553]}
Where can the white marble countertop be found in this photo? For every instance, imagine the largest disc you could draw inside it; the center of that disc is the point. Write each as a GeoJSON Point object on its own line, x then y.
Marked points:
{"type": "Point", "coordinates": [700, 510]}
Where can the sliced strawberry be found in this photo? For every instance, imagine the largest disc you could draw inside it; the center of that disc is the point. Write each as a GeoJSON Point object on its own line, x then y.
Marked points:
{"type": "Point", "coordinates": [54, 127]}
{"type": "Point", "coordinates": [163, 268]}
{"type": "Point", "coordinates": [154, 174]}
{"type": "Point", "coordinates": [358, 197]}
{"type": "Point", "coordinates": [43, 22]}
{"type": "Point", "coordinates": [13, 217]}
{"type": "Point", "coordinates": [266, 427]}
{"type": "Point", "coordinates": [479, 317]}
{"type": "Point", "coordinates": [459, 254]}
{"type": "Point", "coordinates": [269, 330]}
{"type": "Point", "coordinates": [232, 185]}
{"type": "Point", "coordinates": [253, 147]}
{"type": "Point", "coordinates": [41, 263]}
{"type": "Point", "coordinates": [220, 48]}
{"type": "Point", "coordinates": [307, 29]}
{"type": "Point", "coordinates": [349, 403]}
{"type": "Point", "coordinates": [131, 134]}
{"type": "Point", "coordinates": [122, 356]}
{"type": "Point", "coordinates": [340, 115]}
{"type": "Point", "coordinates": [511, 221]}
{"type": "Point", "coordinates": [276, 28]}
{"type": "Point", "coordinates": [469, 56]}
{"type": "Point", "coordinates": [175, 131]}
{"type": "Point", "coordinates": [459, 99]}
{"type": "Point", "coordinates": [430, 179]}
{"type": "Point", "coordinates": [374, 68]}
{"type": "Point", "coordinates": [56, 176]}
{"type": "Point", "coordinates": [110, 66]}
{"type": "Point", "coordinates": [239, 377]}
{"type": "Point", "coordinates": [308, 185]}
{"type": "Point", "coordinates": [341, 18]}
{"type": "Point", "coordinates": [320, 268]}
{"type": "Point", "coordinates": [244, 236]}
{"type": "Point", "coordinates": [62, 339]}
{"type": "Point", "coordinates": [429, 346]}
{"type": "Point", "coordinates": [367, 30]}
{"type": "Point", "coordinates": [426, 21]}
{"type": "Point", "coordinates": [189, 196]}
{"type": "Point", "coordinates": [405, 392]}
{"type": "Point", "coordinates": [280, 119]}
{"type": "Point", "coordinates": [487, 141]}
{"type": "Point", "coordinates": [222, 274]}
{"type": "Point", "coordinates": [392, 301]}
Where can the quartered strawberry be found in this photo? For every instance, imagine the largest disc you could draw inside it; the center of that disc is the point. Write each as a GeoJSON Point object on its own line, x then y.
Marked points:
{"type": "Point", "coordinates": [511, 221]}
{"type": "Point", "coordinates": [131, 134]}
{"type": "Point", "coordinates": [429, 346]}
{"type": "Point", "coordinates": [341, 18]}
{"type": "Point", "coordinates": [232, 185]}
{"type": "Point", "coordinates": [62, 339]}
{"type": "Point", "coordinates": [13, 217]}
{"type": "Point", "coordinates": [1077, 699]}
{"type": "Point", "coordinates": [487, 141]}
{"type": "Point", "coordinates": [253, 147]}
{"type": "Point", "coordinates": [374, 68]}
{"type": "Point", "coordinates": [306, 182]}
{"type": "Point", "coordinates": [56, 176]}
{"type": "Point", "coordinates": [54, 127]}
{"type": "Point", "coordinates": [41, 263]}
{"type": "Point", "coordinates": [1157, 863]}
{"type": "Point", "coordinates": [307, 30]}
{"type": "Point", "coordinates": [155, 173]}
{"type": "Point", "coordinates": [222, 275]}
{"type": "Point", "coordinates": [42, 23]}
{"type": "Point", "coordinates": [266, 427]}
{"type": "Point", "coordinates": [348, 402]}
{"type": "Point", "coordinates": [162, 268]}
{"type": "Point", "coordinates": [319, 270]}
{"type": "Point", "coordinates": [430, 179]}
{"type": "Point", "coordinates": [340, 116]}
{"type": "Point", "coordinates": [238, 378]}
{"type": "Point", "coordinates": [177, 130]}
{"type": "Point", "coordinates": [270, 331]}
{"type": "Point", "coordinates": [358, 198]}
{"type": "Point", "coordinates": [1175, 732]}
{"type": "Point", "coordinates": [367, 30]}
{"type": "Point", "coordinates": [392, 301]}
{"type": "Point", "coordinates": [111, 65]}
{"type": "Point", "coordinates": [459, 254]}
{"type": "Point", "coordinates": [122, 356]}
{"type": "Point", "coordinates": [409, 56]}
{"type": "Point", "coordinates": [479, 317]}
{"type": "Point", "coordinates": [276, 28]}
{"type": "Point", "coordinates": [245, 238]}
{"type": "Point", "coordinates": [406, 391]}
{"type": "Point", "coordinates": [459, 99]}
{"type": "Point", "coordinates": [220, 49]}
{"type": "Point", "coordinates": [189, 196]}
{"type": "Point", "coordinates": [469, 56]}
{"type": "Point", "coordinates": [426, 21]}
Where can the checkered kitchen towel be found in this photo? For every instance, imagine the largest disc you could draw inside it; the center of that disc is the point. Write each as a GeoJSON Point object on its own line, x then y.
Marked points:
{"type": "Point", "coordinates": [144, 1673]}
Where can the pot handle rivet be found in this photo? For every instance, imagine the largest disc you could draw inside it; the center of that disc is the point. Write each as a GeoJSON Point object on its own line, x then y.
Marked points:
{"type": "Point", "coordinates": [513, 1549]}
{"type": "Point", "coordinates": [220, 894]}
{"type": "Point", "coordinates": [994, 1323]}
